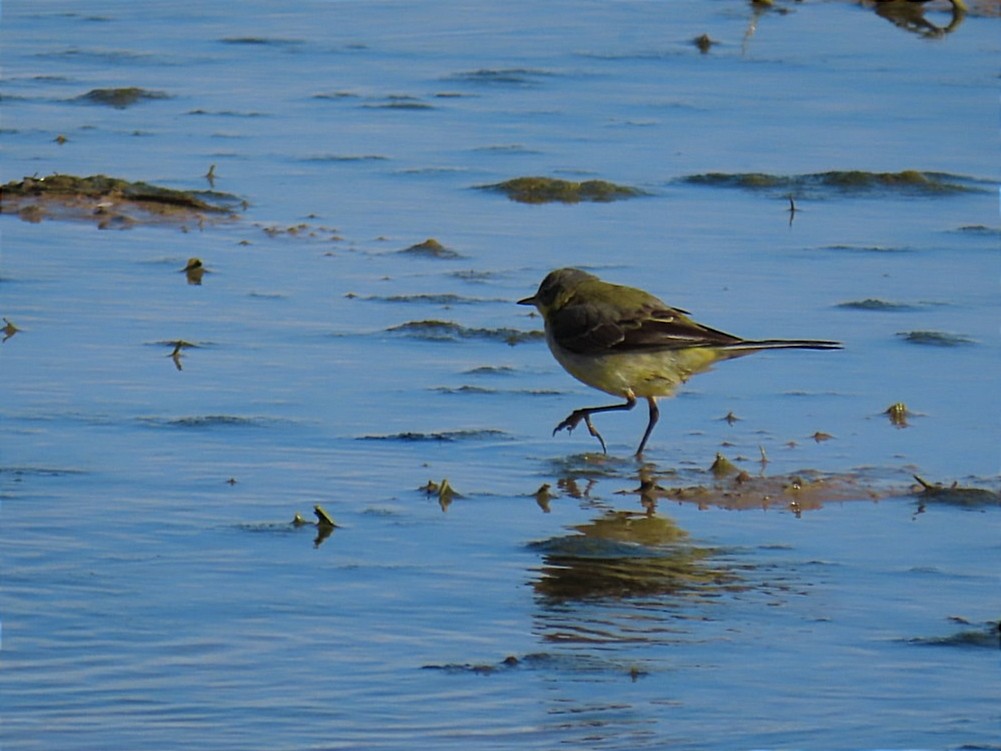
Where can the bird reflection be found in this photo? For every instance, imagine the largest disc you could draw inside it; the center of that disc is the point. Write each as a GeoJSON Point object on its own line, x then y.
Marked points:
{"type": "Point", "coordinates": [910, 16]}
{"type": "Point", "coordinates": [624, 554]}
{"type": "Point", "coordinates": [624, 577]}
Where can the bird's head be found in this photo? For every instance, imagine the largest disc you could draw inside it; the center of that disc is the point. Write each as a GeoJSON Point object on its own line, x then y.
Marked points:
{"type": "Point", "coordinates": [558, 287]}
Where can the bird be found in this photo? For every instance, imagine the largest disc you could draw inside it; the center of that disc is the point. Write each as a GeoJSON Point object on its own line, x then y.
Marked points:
{"type": "Point", "coordinates": [630, 344]}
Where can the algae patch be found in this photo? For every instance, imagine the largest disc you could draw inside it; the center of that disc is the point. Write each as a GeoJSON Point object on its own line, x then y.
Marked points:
{"type": "Point", "coordinates": [121, 98]}
{"type": "Point", "coordinates": [935, 338]}
{"type": "Point", "coordinates": [955, 494]}
{"type": "Point", "coordinates": [876, 304]}
{"type": "Point", "coordinates": [846, 182]}
{"type": "Point", "coordinates": [448, 331]}
{"type": "Point", "coordinates": [553, 190]}
{"type": "Point", "coordinates": [431, 248]}
{"type": "Point", "coordinates": [110, 201]}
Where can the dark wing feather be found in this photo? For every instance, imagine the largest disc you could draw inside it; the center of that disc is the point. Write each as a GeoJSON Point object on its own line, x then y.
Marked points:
{"type": "Point", "coordinates": [595, 327]}
{"type": "Point", "coordinates": [663, 327]}
{"type": "Point", "coordinates": [586, 328]}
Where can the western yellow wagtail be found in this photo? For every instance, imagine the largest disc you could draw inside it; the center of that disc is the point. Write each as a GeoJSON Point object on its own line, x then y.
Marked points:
{"type": "Point", "coordinates": [628, 343]}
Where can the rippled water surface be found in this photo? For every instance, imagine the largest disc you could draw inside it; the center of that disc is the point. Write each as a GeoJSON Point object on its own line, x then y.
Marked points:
{"type": "Point", "coordinates": [155, 592]}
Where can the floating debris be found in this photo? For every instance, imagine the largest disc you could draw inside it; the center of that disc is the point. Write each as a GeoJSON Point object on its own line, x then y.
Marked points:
{"type": "Point", "coordinates": [194, 270]}
{"type": "Point", "coordinates": [446, 494]}
{"type": "Point", "coordinates": [9, 329]}
{"type": "Point", "coordinates": [324, 524]}
{"type": "Point", "coordinates": [323, 519]}
{"type": "Point", "coordinates": [444, 490]}
{"type": "Point", "coordinates": [792, 209]}
{"type": "Point", "coordinates": [543, 496]}
{"type": "Point", "coordinates": [177, 353]}
{"type": "Point", "coordinates": [122, 97]}
{"type": "Point", "coordinates": [704, 43]}
{"type": "Point", "coordinates": [549, 190]}
{"type": "Point", "coordinates": [898, 414]}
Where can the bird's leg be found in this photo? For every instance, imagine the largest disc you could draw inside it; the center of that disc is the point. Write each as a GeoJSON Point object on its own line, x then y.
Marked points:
{"type": "Point", "coordinates": [654, 416]}
{"type": "Point", "coordinates": [575, 417]}
{"type": "Point", "coordinates": [594, 431]}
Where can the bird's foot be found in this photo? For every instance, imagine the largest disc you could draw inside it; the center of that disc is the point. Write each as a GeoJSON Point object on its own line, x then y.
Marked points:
{"type": "Point", "coordinates": [574, 419]}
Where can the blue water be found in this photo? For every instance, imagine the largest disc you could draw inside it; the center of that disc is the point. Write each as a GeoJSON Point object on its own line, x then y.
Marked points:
{"type": "Point", "coordinates": [153, 590]}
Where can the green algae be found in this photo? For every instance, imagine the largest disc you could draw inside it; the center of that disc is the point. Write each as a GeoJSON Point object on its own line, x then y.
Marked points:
{"type": "Point", "coordinates": [437, 330]}
{"type": "Point", "coordinates": [110, 201]}
{"type": "Point", "coordinates": [553, 190]}
{"type": "Point", "coordinates": [907, 182]}
{"type": "Point", "coordinates": [445, 436]}
{"type": "Point", "coordinates": [935, 338]}
{"type": "Point", "coordinates": [872, 303]}
{"type": "Point", "coordinates": [967, 496]}
{"type": "Point", "coordinates": [431, 248]}
{"type": "Point", "coordinates": [121, 98]}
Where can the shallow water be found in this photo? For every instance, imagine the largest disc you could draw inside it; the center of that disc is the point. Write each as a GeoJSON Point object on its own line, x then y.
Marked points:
{"type": "Point", "coordinates": [154, 591]}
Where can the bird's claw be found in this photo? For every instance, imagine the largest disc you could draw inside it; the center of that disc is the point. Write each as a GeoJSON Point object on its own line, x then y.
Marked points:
{"type": "Point", "coordinates": [574, 419]}
{"type": "Point", "coordinates": [571, 422]}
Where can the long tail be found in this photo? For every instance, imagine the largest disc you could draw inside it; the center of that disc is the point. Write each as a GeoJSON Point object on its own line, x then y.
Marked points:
{"type": "Point", "coordinates": [751, 345]}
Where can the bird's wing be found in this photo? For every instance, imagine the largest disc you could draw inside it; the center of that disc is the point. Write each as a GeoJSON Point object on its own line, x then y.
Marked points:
{"type": "Point", "coordinates": [595, 327]}
{"type": "Point", "coordinates": [664, 327]}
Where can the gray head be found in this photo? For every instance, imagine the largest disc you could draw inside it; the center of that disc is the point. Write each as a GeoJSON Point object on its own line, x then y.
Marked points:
{"type": "Point", "coordinates": [555, 286]}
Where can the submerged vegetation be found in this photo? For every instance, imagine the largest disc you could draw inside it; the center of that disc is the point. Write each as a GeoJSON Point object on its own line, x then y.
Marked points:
{"type": "Point", "coordinates": [935, 338]}
{"type": "Point", "coordinates": [109, 201]}
{"type": "Point", "coordinates": [431, 248]}
{"type": "Point", "coordinates": [553, 190]}
{"type": "Point", "coordinates": [955, 494]}
{"type": "Point", "coordinates": [121, 98]}
{"type": "Point", "coordinates": [908, 182]}
{"type": "Point", "coordinates": [436, 330]}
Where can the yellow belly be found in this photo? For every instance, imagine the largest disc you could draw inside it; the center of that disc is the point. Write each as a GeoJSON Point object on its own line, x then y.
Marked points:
{"type": "Point", "coordinates": [637, 374]}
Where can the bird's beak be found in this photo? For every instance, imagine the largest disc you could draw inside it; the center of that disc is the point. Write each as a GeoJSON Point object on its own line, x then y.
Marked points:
{"type": "Point", "coordinates": [527, 301]}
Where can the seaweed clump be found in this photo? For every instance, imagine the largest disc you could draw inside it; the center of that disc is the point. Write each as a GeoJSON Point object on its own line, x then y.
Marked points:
{"type": "Point", "coordinates": [121, 98]}
{"type": "Point", "coordinates": [553, 190]}
{"type": "Point", "coordinates": [448, 331]}
{"type": "Point", "coordinates": [431, 248]}
{"type": "Point", "coordinates": [955, 494]}
{"type": "Point", "coordinates": [108, 200]}
{"type": "Point", "coordinates": [913, 182]}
